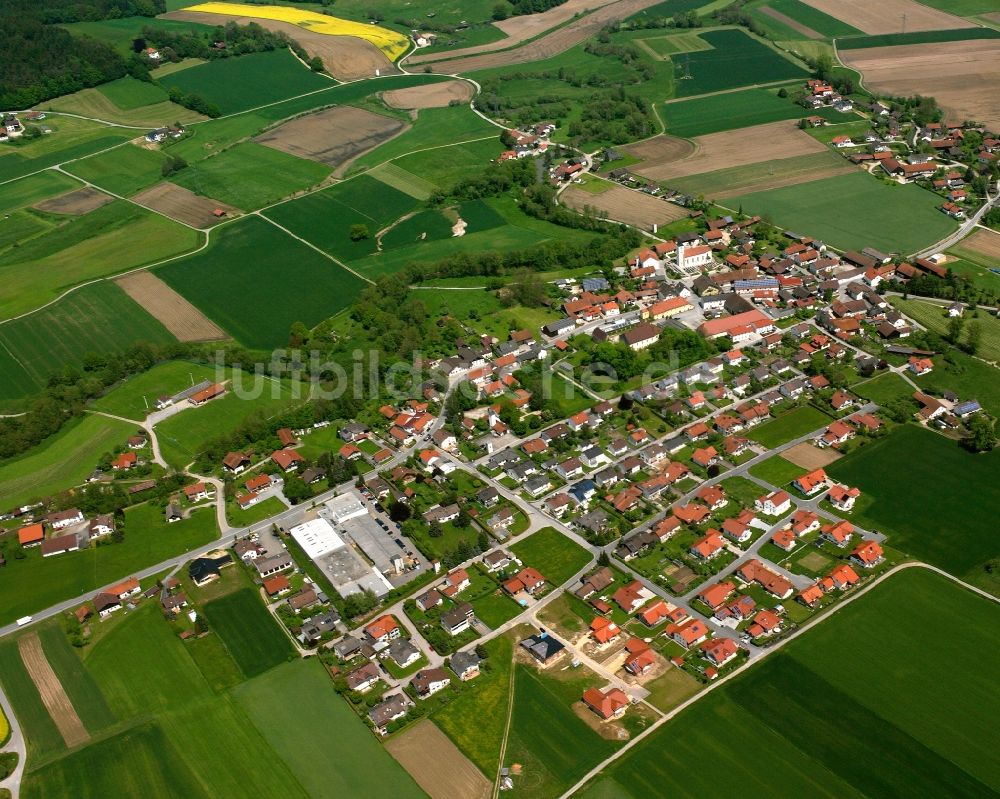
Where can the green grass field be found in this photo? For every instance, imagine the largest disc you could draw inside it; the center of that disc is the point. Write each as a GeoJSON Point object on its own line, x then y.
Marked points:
{"type": "Point", "coordinates": [40, 732]}
{"type": "Point", "coordinates": [183, 436]}
{"type": "Point", "coordinates": [554, 745]}
{"type": "Point", "coordinates": [939, 469]}
{"type": "Point", "coordinates": [665, 46]}
{"type": "Point", "coordinates": [974, 266]}
{"type": "Point", "coordinates": [121, 32]}
{"type": "Point", "coordinates": [136, 396]}
{"type": "Point", "coordinates": [884, 388]}
{"type": "Point", "coordinates": [263, 510]}
{"type": "Point", "coordinates": [129, 93]}
{"type": "Point", "coordinates": [777, 470]}
{"type": "Point", "coordinates": [968, 377]}
{"type": "Point", "coordinates": [419, 188]}
{"type": "Point", "coordinates": [813, 18]}
{"type": "Point", "coordinates": [701, 116]}
{"type": "Point", "coordinates": [553, 554]}
{"type": "Point", "coordinates": [727, 182]}
{"type": "Point", "coordinates": [317, 735]}
{"type": "Point", "coordinates": [854, 211]}
{"type": "Point", "coordinates": [935, 317]}
{"type": "Point", "coordinates": [259, 314]}
{"type": "Point", "coordinates": [325, 218]}
{"type": "Point", "coordinates": [34, 583]}
{"type": "Point", "coordinates": [34, 189]}
{"type": "Point", "coordinates": [817, 710]}
{"type": "Point", "coordinates": [252, 637]}
{"type": "Point", "coordinates": [238, 84]}
{"type": "Point", "coordinates": [96, 318]}
{"type": "Point", "coordinates": [123, 171]}
{"type": "Point", "coordinates": [788, 426]}
{"type": "Point", "coordinates": [251, 175]}
{"type": "Point", "coordinates": [70, 139]}
{"type": "Point", "coordinates": [918, 37]}
{"type": "Point", "coordinates": [736, 60]}
{"type": "Point", "coordinates": [62, 461]}
{"type": "Point", "coordinates": [82, 248]}
{"type": "Point", "coordinates": [80, 686]}
{"type": "Point", "coordinates": [445, 166]}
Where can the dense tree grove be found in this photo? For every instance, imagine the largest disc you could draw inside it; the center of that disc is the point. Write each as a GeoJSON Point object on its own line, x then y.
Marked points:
{"type": "Point", "coordinates": [239, 40]}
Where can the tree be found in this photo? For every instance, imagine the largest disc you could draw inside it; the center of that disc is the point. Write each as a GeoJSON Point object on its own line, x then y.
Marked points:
{"type": "Point", "coordinates": [603, 559]}
{"type": "Point", "coordinates": [982, 436]}
{"type": "Point", "coordinates": [782, 92]}
{"type": "Point", "coordinates": [955, 329]}
{"type": "Point", "coordinates": [359, 232]}
{"type": "Point", "coordinates": [399, 511]}
{"type": "Point", "coordinates": [316, 64]}
{"type": "Point", "coordinates": [501, 11]}
{"type": "Point", "coordinates": [973, 337]}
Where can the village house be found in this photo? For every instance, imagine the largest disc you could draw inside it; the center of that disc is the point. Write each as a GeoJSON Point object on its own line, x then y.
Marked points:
{"type": "Point", "coordinates": [609, 704]}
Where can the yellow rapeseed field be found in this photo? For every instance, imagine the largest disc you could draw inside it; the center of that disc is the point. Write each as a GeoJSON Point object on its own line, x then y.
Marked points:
{"type": "Point", "coordinates": [389, 42]}
{"type": "Point", "coordinates": [4, 726]}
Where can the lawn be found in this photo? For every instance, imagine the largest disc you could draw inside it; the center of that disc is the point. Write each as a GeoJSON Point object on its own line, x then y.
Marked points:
{"type": "Point", "coordinates": [819, 708]}
{"type": "Point", "coordinates": [553, 554]}
{"type": "Point", "coordinates": [935, 317]}
{"type": "Point", "coordinates": [968, 377]}
{"type": "Point", "coordinates": [136, 396]}
{"type": "Point", "coordinates": [247, 254]}
{"type": "Point", "coordinates": [777, 471]}
{"type": "Point", "coordinates": [123, 171]}
{"type": "Point", "coordinates": [475, 718]}
{"type": "Point", "coordinates": [239, 84]}
{"type": "Point", "coordinates": [325, 218]}
{"type": "Point", "coordinates": [78, 249]}
{"type": "Point", "coordinates": [789, 426]}
{"type": "Point", "coordinates": [251, 635]}
{"type": "Point", "coordinates": [62, 461]}
{"type": "Point", "coordinates": [884, 388]}
{"type": "Point", "coordinates": [251, 175]}
{"type": "Point", "coordinates": [34, 583]}
{"type": "Point", "coordinates": [736, 60]}
{"type": "Point", "coordinates": [35, 188]}
{"type": "Point", "coordinates": [904, 479]}
{"type": "Point", "coordinates": [854, 211]}
{"type": "Point", "coordinates": [96, 318]}
{"type": "Point", "coordinates": [262, 510]}
{"type": "Point", "coordinates": [319, 737]}
{"type": "Point", "coordinates": [731, 110]}
{"type": "Point", "coordinates": [184, 435]}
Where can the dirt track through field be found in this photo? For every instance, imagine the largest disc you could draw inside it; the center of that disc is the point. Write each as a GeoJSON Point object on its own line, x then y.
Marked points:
{"type": "Point", "coordinates": [76, 203]}
{"type": "Point", "coordinates": [174, 312]}
{"type": "Point", "coordinates": [547, 46]}
{"type": "Point", "coordinates": [964, 77]}
{"type": "Point", "coordinates": [625, 205]}
{"type": "Point", "coordinates": [335, 136]}
{"type": "Point", "coordinates": [810, 457]}
{"type": "Point", "coordinates": [432, 95]}
{"type": "Point", "coordinates": [345, 57]}
{"type": "Point", "coordinates": [438, 766]}
{"type": "Point", "coordinates": [795, 25]}
{"type": "Point", "coordinates": [183, 205]}
{"type": "Point", "coordinates": [985, 242]}
{"type": "Point", "coordinates": [886, 16]}
{"type": "Point", "coordinates": [51, 691]}
{"type": "Point", "coordinates": [733, 148]}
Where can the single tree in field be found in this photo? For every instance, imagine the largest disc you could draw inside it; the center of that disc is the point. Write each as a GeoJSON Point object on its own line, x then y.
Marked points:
{"type": "Point", "coordinates": [359, 232]}
{"type": "Point", "coordinates": [973, 337]}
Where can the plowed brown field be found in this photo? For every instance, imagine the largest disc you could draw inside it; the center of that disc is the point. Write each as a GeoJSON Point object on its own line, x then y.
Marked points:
{"type": "Point", "coordinates": [174, 312]}
{"type": "Point", "coordinates": [886, 16]}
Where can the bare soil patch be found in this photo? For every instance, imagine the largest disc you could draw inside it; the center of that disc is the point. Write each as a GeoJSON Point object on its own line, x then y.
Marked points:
{"type": "Point", "coordinates": [734, 148]}
{"type": "Point", "coordinates": [335, 136]}
{"type": "Point", "coordinates": [810, 457]}
{"type": "Point", "coordinates": [51, 691]}
{"type": "Point", "coordinates": [433, 95]}
{"type": "Point", "coordinates": [545, 47]}
{"type": "Point", "coordinates": [963, 76]}
{"type": "Point", "coordinates": [76, 203]}
{"type": "Point", "coordinates": [985, 242]}
{"type": "Point", "coordinates": [438, 766]}
{"type": "Point", "coordinates": [345, 57]}
{"type": "Point", "coordinates": [183, 205]}
{"type": "Point", "coordinates": [610, 729]}
{"type": "Point", "coordinates": [886, 15]}
{"type": "Point", "coordinates": [174, 312]}
{"type": "Point", "coordinates": [795, 25]}
{"type": "Point", "coordinates": [625, 205]}
{"type": "Point", "coordinates": [662, 149]}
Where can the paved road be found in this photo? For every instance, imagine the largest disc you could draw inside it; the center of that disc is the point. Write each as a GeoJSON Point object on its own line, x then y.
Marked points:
{"type": "Point", "coordinates": [963, 230]}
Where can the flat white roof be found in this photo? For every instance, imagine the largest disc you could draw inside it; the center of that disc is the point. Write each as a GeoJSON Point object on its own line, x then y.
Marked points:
{"type": "Point", "coordinates": [317, 537]}
{"type": "Point", "coordinates": [346, 506]}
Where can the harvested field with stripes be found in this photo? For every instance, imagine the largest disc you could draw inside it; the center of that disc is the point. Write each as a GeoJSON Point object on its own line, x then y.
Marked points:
{"type": "Point", "coordinates": [184, 205]}
{"type": "Point", "coordinates": [51, 691]}
{"type": "Point", "coordinates": [885, 16]}
{"type": "Point", "coordinates": [174, 312]}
